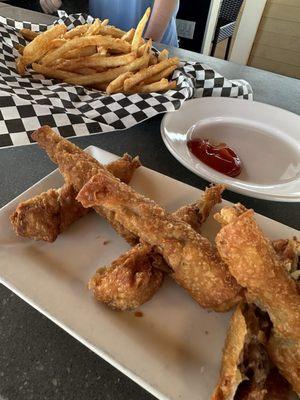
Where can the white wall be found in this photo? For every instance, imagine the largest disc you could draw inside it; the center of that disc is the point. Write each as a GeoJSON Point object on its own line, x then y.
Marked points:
{"type": "Point", "coordinates": [210, 26]}
{"type": "Point", "coordinates": [245, 35]}
{"type": "Point", "coordinates": [277, 43]}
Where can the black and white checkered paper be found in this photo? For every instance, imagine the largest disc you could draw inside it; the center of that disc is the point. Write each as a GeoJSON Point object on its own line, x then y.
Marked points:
{"type": "Point", "coordinates": [28, 102]}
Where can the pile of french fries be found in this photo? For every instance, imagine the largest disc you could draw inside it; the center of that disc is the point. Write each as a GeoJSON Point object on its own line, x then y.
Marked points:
{"type": "Point", "coordinates": [99, 56]}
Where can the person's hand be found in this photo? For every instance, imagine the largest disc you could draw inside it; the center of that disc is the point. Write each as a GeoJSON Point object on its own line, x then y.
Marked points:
{"type": "Point", "coordinates": [50, 6]}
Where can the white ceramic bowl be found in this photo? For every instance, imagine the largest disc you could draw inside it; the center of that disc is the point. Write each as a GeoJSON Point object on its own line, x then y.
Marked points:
{"type": "Point", "coordinates": [266, 138]}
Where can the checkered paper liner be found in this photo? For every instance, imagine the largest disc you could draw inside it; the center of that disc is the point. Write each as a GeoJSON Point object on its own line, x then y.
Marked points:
{"type": "Point", "coordinates": [28, 102]}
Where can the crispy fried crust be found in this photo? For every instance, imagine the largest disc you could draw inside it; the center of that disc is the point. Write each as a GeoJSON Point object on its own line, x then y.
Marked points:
{"type": "Point", "coordinates": [255, 363]}
{"type": "Point", "coordinates": [123, 168]}
{"type": "Point", "coordinates": [229, 214]}
{"type": "Point", "coordinates": [45, 216]}
{"type": "Point", "coordinates": [196, 214]}
{"type": "Point", "coordinates": [70, 209]}
{"type": "Point", "coordinates": [230, 375]}
{"type": "Point", "coordinates": [53, 143]}
{"type": "Point", "coordinates": [195, 264]}
{"type": "Point", "coordinates": [77, 168]}
{"type": "Point", "coordinates": [129, 281]}
{"type": "Point", "coordinates": [288, 250]}
{"type": "Point", "coordinates": [252, 260]}
{"type": "Point", "coordinates": [246, 371]}
{"type": "Point", "coordinates": [133, 278]}
{"type": "Point", "coordinates": [39, 217]}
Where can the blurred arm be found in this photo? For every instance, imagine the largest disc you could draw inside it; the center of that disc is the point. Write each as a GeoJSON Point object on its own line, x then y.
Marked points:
{"type": "Point", "coordinates": [50, 6]}
{"type": "Point", "coordinates": [160, 17]}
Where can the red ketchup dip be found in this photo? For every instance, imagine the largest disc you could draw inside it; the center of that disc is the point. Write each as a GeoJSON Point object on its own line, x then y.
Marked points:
{"type": "Point", "coordinates": [219, 157]}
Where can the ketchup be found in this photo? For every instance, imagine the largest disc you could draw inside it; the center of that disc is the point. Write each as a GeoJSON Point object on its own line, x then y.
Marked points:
{"type": "Point", "coordinates": [220, 157]}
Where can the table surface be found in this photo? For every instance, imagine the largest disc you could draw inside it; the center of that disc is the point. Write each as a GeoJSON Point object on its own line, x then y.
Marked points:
{"type": "Point", "coordinates": [38, 360]}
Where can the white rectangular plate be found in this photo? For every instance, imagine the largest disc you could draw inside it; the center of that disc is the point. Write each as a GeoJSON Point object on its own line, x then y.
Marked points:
{"type": "Point", "coordinates": [174, 351]}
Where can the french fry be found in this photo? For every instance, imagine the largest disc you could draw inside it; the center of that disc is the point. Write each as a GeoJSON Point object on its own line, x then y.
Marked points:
{"type": "Point", "coordinates": [36, 49]}
{"type": "Point", "coordinates": [108, 30]}
{"type": "Point", "coordinates": [100, 69]}
{"type": "Point", "coordinates": [81, 52]}
{"type": "Point", "coordinates": [102, 28]}
{"type": "Point", "coordinates": [172, 85]}
{"type": "Point", "coordinates": [19, 47]}
{"type": "Point", "coordinates": [145, 47]}
{"type": "Point", "coordinates": [77, 31]}
{"type": "Point", "coordinates": [100, 86]}
{"type": "Point", "coordinates": [20, 66]}
{"type": "Point", "coordinates": [110, 74]}
{"type": "Point", "coordinates": [116, 85]}
{"type": "Point", "coordinates": [99, 56]}
{"type": "Point", "coordinates": [128, 36]}
{"type": "Point", "coordinates": [160, 86]}
{"type": "Point", "coordinates": [163, 55]}
{"type": "Point", "coordinates": [102, 51]}
{"type": "Point", "coordinates": [141, 49]}
{"type": "Point", "coordinates": [78, 42]}
{"type": "Point", "coordinates": [94, 28]}
{"type": "Point", "coordinates": [28, 34]}
{"type": "Point", "coordinates": [139, 30]}
{"type": "Point", "coordinates": [54, 44]}
{"type": "Point", "coordinates": [97, 60]}
{"type": "Point", "coordinates": [99, 77]}
{"type": "Point", "coordinates": [73, 54]}
{"type": "Point", "coordinates": [86, 71]}
{"type": "Point", "coordinates": [148, 72]}
{"type": "Point", "coordinates": [165, 73]}
{"type": "Point", "coordinates": [53, 73]}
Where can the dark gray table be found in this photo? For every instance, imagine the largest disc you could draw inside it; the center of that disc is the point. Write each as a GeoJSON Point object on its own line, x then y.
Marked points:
{"type": "Point", "coordinates": [38, 360]}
